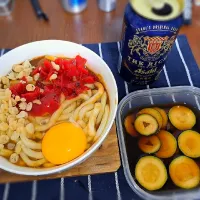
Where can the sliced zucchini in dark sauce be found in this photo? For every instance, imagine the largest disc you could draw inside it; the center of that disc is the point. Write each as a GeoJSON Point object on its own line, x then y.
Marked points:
{"type": "Point", "coordinates": [168, 144]}
{"type": "Point", "coordinates": [184, 172]}
{"type": "Point", "coordinates": [146, 125]}
{"type": "Point", "coordinates": [189, 143]}
{"type": "Point", "coordinates": [154, 113]}
{"type": "Point", "coordinates": [182, 117]}
{"type": "Point", "coordinates": [149, 144]}
{"type": "Point", "coordinates": [151, 173]}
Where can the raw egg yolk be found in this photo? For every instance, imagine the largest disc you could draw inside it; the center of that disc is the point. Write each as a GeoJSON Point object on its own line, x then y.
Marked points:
{"type": "Point", "coordinates": [63, 142]}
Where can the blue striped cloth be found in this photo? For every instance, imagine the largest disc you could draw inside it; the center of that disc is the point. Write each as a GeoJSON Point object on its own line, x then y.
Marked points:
{"type": "Point", "coordinates": [180, 69]}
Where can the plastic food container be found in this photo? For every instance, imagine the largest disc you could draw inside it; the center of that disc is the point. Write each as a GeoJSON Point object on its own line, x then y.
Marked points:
{"type": "Point", "coordinates": [144, 98]}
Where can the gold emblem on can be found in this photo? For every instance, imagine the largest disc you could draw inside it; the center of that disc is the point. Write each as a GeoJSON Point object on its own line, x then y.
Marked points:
{"type": "Point", "coordinates": [150, 48]}
{"type": "Point", "coordinates": [154, 44]}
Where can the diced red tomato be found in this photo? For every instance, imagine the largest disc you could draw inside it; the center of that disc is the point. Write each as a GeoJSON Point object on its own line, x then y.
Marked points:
{"type": "Point", "coordinates": [73, 85]}
{"type": "Point", "coordinates": [80, 62]}
{"type": "Point", "coordinates": [47, 64]}
{"type": "Point", "coordinates": [71, 79]}
{"type": "Point", "coordinates": [31, 96]}
{"type": "Point", "coordinates": [24, 79]}
{"type": "Point", "coordinates": [65, 64]}
{"type": "Point", "coordinates": [72, 62]}
{"type": "Point", "coordinates": [39, 84]}
{"type": "Point", "coordinates": [71, 96]}
{"type": "Point", "coordinates": [83, 70]}
{"type": "Point", "coordinates": [59, 61]}
{"type": "Point", "coordinates": [49, 104]}
{"type": "Point", "coordinates": [43, 74]}
{"type": "Point", "coordinates": [81, 89]}
{"type": "Point", "coordinates": [48, 89]}
{"type": "Point", "coordinates": [36, 70]}
{"type": "Point", "coordinates": [88, 79]}
{"type": "Point", "coordinates": [49, 75]}
{"type": "Point", "coordinates": [18, 88]}
{"type": "Point", "coordinates": [46, 70]}
{"type": "Point", "coordinates": [72, 72]}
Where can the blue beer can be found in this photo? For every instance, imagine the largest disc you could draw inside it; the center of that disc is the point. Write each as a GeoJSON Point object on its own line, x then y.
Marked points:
{"type": "Point", "coordinates": [147, 37]}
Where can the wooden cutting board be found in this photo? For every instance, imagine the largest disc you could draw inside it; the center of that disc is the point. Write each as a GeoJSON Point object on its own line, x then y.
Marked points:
{"type": "Point", "coordinates": [105, 159]}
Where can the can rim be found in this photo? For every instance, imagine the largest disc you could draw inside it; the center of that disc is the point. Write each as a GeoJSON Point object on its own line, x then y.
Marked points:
{"type": "Point", "coordinates": [149, 18]}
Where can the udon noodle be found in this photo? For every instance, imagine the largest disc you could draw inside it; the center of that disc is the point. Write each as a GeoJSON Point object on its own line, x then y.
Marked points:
{"type": "Point", "coordinates": [21, 134]}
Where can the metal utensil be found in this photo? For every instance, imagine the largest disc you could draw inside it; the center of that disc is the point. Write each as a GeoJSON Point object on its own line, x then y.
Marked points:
{"type": "Point", "coordinates": [187, 13]}
{"type": "Point", "coordinates": [37, 8]}
{"type": "Point", "coordinates": [107, 5]}
{"type": "Point", "coordinates": [74, 6]}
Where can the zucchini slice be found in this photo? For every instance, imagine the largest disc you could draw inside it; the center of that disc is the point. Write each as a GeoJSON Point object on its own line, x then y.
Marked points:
{"type": "Point", "coordinates": [189, 143]}
{"type": "Point", "coordinates": [164, 117]}
{"type": "Point", "coordinates": [168, 144]}
{"type": "Point", "coordinates": [154, 113]}
{"type": "Point", "coordinates": [146, 124]}
{"type": "Point", "coordinates": [182, 117]}
{"type": "Point", "coordinates": [151, 173]}
{"type": "Point", "coordinates": [184, 172]}
{"type": "Point", "coordinates": [129, 125]}
{"type": "Point", "coordinates": [149, 144]}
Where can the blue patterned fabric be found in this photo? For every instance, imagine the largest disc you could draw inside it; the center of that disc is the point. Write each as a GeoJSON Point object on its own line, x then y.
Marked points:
{"type": "Point", "coordinates": [180, 69]}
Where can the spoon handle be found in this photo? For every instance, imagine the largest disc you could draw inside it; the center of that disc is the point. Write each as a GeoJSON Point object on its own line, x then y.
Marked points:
{"type": "Point", "coordinates": [37, 8]}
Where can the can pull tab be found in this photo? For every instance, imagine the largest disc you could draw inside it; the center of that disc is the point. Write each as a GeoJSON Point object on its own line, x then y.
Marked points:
{"type": "Point", "coordinates": [160, 7]}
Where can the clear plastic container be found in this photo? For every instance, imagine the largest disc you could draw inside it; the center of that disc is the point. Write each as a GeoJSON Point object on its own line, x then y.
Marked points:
{"type": "Point", "coordinates": [144, 98]}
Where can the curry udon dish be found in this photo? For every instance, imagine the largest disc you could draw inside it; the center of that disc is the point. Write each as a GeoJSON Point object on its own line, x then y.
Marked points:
{"type": "Point", "coordinates": [52, 109]}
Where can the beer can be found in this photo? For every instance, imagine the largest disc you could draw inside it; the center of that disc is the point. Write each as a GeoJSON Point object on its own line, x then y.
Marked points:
{"type": "Point", "coordinates": [74, 6]}
{"type": "Point", "coordinates": [147, 38]}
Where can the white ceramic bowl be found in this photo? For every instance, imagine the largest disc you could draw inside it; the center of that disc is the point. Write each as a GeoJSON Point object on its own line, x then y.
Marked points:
{"type": "Point", "coordinates": [69, 49]}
